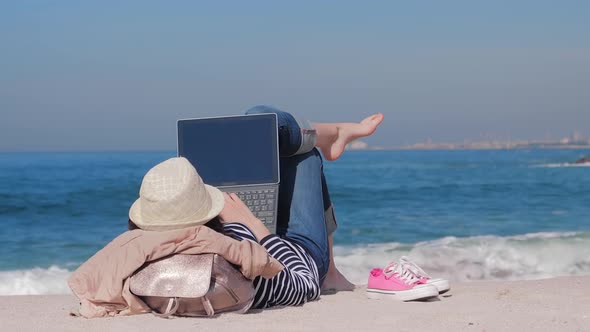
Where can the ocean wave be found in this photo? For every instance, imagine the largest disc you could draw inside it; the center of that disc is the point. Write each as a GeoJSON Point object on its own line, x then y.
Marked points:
{"type": "Point", "coordinates": [36, 281]}
{"type": "Point", "coordinates": [558, 165]}
{"type": "Point", "coordinates": [527, 256]}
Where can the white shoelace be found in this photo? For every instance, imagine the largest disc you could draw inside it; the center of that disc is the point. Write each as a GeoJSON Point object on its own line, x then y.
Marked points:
{"type": "Point", "coordinates": [413, 267]}
{"type": "Point", "coordinates": [401, 272]}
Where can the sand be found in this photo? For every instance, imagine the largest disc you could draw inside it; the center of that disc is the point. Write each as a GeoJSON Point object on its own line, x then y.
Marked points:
{"type": "Point", "coordinates": [559, 304]}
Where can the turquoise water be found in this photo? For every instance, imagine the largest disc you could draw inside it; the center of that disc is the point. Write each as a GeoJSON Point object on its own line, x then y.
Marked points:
{"type": "Point", "coordinates": [411, 196]}
{"type": "Point", "coordinates": [464, 214]}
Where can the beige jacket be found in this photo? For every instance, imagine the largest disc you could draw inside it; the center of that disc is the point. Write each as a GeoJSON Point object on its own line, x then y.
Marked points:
{"type": "Point", "coordinates": [102, 283]}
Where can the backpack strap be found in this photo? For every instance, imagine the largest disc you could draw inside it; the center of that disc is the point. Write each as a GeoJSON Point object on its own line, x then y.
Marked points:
{"type": "Point", "coordinates": [207, 305]}
{"type": "Point", "coordinates": [170, 309]}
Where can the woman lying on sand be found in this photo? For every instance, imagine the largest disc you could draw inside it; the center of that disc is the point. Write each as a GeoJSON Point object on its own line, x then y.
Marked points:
{"type": "Point", "coordinates": [289, 268]}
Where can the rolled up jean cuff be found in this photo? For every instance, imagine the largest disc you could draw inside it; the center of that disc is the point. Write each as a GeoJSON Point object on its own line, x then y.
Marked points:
{"type": "Point", "coordinates": [308, 136]}
{"type": "Point", "coordinates": [296, 136]}
{"type": "Point", "coordinates": [331, 224]}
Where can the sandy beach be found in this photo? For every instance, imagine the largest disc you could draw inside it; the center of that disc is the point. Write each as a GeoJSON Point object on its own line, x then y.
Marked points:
{"type": "Point", "coordinates": [559, 304]}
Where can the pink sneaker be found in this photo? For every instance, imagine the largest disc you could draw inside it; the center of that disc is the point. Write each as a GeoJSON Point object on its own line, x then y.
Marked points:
{"type": "Point", "coordinates": [397, 282]}
{"type": "Point", "coordinates": [441, 284]}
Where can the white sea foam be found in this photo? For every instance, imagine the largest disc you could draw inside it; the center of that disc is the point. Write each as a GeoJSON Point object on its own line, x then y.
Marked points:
{"type": "Point", "coordinates": [528, 256]}
{"type": "Point", "coordinates": [35, 281]}
{"type": "Point", "coordinates": [558, 165]}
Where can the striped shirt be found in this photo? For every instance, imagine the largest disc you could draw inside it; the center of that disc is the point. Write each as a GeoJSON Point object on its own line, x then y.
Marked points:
{"type": "Point", "coordinates": [298, 283]}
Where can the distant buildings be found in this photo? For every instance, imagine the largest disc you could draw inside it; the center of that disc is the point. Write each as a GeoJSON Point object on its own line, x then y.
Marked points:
{"type": "Point", "coordinates": [574, 141]}
{"type": "Point", "coordinates": [575, 138]}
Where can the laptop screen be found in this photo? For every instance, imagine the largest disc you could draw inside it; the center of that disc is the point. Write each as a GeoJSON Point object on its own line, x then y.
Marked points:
{"type": "Point", "coordinates": [230, 151]}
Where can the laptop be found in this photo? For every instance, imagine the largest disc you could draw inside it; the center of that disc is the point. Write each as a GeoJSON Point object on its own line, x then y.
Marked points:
{"type": "Point", "coordinates": [238, 154]}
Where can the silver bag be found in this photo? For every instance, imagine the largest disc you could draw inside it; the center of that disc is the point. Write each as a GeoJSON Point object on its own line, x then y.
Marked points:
{"type": "Point", "coordinates": [192, 285]}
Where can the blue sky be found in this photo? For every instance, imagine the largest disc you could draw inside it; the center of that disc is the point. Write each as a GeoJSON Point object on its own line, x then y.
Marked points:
{"type": "Point", "coordinates": [115, 75]}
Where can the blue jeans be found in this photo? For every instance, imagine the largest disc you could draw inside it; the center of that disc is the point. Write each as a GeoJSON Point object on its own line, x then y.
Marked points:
{"type": "Point", "coordinates": [303, 193]}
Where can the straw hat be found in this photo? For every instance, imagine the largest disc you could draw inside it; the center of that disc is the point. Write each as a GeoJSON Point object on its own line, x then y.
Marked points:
{"type": "Point", "coordinates": [173, 195]}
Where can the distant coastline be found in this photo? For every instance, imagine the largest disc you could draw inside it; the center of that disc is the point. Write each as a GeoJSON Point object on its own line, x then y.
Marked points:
{"type": "Point", "coordinates": [565, 143]}
{"type": "Point", "coordinates": [495, 146]}
{"type": "Point", "coordinates": [451, 146]}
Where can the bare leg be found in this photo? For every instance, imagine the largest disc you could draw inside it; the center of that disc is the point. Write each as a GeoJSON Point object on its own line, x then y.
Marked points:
{"type": "Point", "coordinates": [335, 281]}
{"type": "Point", "coordinates": [333, 137]}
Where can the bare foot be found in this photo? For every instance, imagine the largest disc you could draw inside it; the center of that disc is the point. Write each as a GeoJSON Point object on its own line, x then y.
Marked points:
{"type": "Point", "coordinates": [336, 282]}
{"type": "Point", "coordinates": [332, 138]}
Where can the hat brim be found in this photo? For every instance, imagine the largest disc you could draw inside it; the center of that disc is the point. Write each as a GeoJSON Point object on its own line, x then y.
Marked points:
{"type": "Point", "coordinates": [217, 203]}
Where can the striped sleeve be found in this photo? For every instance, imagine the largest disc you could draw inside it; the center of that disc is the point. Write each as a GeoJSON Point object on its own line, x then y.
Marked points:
{"type": "Point", "coordinates": [298, 283]}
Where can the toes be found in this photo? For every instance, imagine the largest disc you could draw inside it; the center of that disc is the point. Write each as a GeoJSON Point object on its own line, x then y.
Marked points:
{"type": "Point", "coordinates": [370, 123]}
{"type": "Point", "coordinates": [374, 119]}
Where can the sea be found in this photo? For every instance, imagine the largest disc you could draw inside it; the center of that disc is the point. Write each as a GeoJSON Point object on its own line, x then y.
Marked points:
{"type": "Point", "coordinates": [462, 215]}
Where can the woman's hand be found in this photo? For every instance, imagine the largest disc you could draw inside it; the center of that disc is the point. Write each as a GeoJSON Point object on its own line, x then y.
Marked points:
{"type": "Point", "coordinates": [235, 210]}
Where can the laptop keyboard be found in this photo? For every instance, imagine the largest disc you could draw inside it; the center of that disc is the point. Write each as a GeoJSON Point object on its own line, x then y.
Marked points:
{"type": "Point", "coordinates": [261, 203]}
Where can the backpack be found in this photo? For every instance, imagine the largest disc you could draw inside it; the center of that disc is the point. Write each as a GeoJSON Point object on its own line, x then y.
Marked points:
{"type": "Point", "coordinates": [192, 285]}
